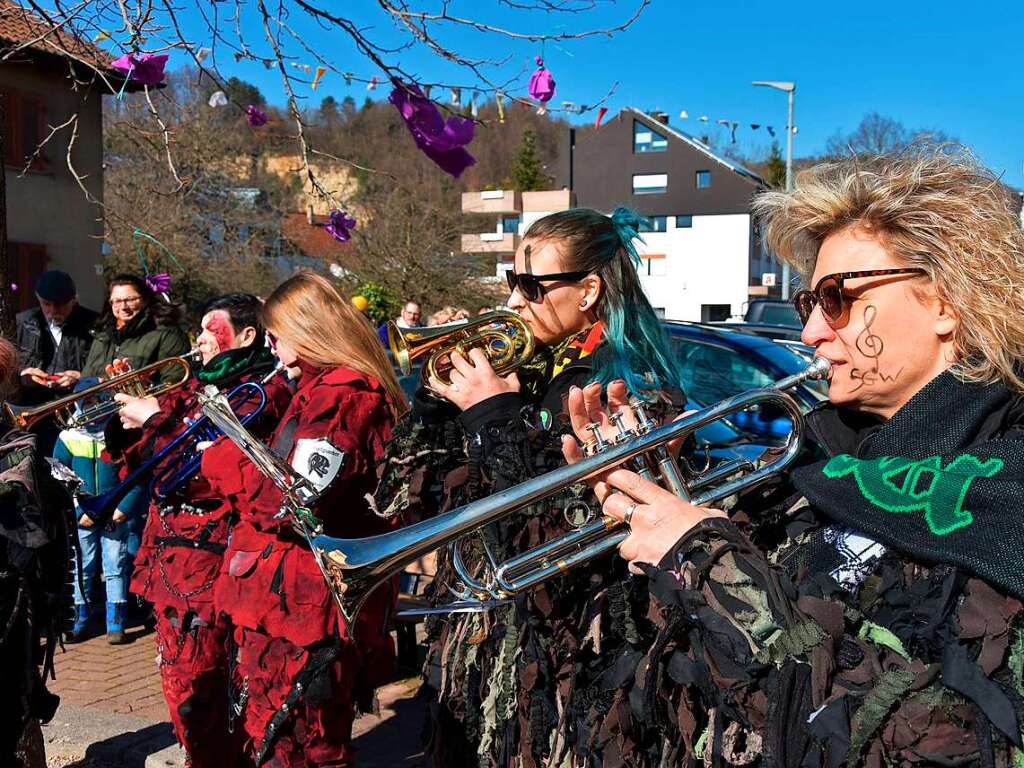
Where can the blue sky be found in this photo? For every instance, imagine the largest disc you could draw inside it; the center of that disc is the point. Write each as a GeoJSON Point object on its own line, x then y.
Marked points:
{"type": "Point", "coordinates": [943, 65]}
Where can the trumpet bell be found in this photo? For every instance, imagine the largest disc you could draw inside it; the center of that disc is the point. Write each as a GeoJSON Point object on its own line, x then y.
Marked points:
{"type": "Point", "coordinates": [504, 336]}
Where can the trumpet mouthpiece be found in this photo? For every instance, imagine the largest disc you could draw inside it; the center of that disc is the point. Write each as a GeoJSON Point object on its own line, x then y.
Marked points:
{"type": "Point", "coordinates": [819, 368]}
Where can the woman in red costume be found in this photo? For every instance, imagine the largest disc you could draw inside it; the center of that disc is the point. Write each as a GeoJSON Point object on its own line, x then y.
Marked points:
{"type": "Point", "coordinates": [187, 531]}
{"type": "Point", "coordinates": [298, 674]}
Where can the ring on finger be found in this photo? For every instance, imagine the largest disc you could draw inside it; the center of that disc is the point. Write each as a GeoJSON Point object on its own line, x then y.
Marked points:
{"type": "Point", "coordinates": [627, 516]}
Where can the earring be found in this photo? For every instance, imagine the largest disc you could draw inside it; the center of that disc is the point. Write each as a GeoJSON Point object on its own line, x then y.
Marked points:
{"type": "Point", "coordinates": [583, 305]}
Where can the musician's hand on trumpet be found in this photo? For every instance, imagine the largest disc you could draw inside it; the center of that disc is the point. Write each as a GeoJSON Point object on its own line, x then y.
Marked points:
{"type": "Point", "coordinates": [473, 380]}
{"type": "Point", "coordinates": [135, 411]}
{"type": "Point", "coordinates": [657, 518]}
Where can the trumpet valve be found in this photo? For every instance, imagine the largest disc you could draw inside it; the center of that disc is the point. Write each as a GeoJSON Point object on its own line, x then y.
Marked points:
{"type": "Point", "coordinates": [597, 443]}
{"type": "Point", "coordinates": [625, 433]}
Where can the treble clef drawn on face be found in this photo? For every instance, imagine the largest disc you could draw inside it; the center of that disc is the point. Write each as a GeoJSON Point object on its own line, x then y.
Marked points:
{"type": "Point", "coordinates": [868, 343]}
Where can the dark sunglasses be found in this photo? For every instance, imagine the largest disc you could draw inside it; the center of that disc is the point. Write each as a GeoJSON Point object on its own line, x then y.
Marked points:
{"type": "Point", "coordinates": [829, 293]}
{"type": "Point", "coordinates": [530, 285]}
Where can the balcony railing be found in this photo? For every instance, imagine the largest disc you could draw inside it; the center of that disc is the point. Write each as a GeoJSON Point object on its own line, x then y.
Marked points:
{"type": "Point", "coordinates": [500, 201]}
{"type": "Point", "coordinates": [490, 242]}
{"type": "Point", "coordinates": [548, 200]}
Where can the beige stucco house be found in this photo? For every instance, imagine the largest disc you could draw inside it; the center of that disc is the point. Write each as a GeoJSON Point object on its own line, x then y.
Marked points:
{"type": "Point", "coordinates": [48, 79]}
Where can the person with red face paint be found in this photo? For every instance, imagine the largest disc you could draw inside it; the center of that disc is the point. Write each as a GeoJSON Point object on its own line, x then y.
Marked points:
{"type": "Point", "coordinates": [299, 669]}
{"type": "Point", "coordinates": [187, 531]}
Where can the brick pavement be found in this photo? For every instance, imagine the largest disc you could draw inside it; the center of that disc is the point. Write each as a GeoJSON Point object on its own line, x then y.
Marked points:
{"type": "Point", "coordinates": [122, 679]}
{"type": "Point", "coordinates": [113, 714]}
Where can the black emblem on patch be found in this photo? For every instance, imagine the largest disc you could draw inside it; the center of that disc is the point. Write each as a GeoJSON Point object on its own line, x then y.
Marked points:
{"type": "Point", "coordinates": [318, 464]}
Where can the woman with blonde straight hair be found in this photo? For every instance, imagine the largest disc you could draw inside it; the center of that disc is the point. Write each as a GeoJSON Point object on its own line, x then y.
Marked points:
{"type": "Point", "coordinates": [298, 675]}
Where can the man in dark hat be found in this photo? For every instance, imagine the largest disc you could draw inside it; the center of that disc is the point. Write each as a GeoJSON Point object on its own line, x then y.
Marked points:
{"type": "Point", "coordinates": [53, 342]}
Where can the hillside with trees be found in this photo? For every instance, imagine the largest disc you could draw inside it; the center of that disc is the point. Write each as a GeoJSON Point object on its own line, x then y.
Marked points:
{"type": "Point", "coordinates": [229, 204]}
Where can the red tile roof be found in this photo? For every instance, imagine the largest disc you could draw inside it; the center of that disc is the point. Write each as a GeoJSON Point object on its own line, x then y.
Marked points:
{"type": "Point", "coordinates": [21, 27]}
{"type": "Point", "coordinates": [313, 240]}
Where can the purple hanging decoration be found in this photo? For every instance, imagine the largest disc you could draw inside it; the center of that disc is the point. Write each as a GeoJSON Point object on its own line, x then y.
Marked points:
{"type": "Point", "coordinates": [159, 283]}
{"type": "Point", "coordinates": [542, 86]}
{"type": "Point", "coordinates": [443, 141]}
{"type": "Point", "coordinates": [257, 117]}
{"type": "Point", "coordinates": [146, 68]}
{"type": "Point", "coordinates": [339, 225]}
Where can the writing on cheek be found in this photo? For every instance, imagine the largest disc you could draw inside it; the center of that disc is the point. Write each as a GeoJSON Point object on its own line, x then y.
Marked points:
{"type": "Point", "coordinates": [871, 345]}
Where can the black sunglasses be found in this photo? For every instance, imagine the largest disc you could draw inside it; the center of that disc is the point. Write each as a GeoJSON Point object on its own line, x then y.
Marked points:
{"type": "Point", "coordinates": [829, 293]}
{"type": "Point", "coordinates": [530, 285]}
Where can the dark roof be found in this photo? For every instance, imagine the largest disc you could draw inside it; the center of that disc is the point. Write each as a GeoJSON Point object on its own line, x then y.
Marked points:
{"type": "Point", "coordinates": [20, 27]}
{"type": "Point", "coordinates": [697, 144]}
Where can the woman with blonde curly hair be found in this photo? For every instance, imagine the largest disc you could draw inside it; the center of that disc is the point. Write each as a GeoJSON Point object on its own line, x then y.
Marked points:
{"type": "Point", "coordinates": [867, 608]}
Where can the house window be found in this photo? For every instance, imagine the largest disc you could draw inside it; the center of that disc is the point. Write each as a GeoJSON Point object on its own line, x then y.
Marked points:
{"type": "Point", "coordinates": [703, 179]}
{"type": "Point", "coordinates": [510, 225]}
{"type": "Point", "coordinates": [684, 222]}
{"type": "Point", "coordinates": [710, 313]}
{"type": "Point", "coordinates": [653, 265]}
{"type": "Point", "coordinates": [649, 183]}
{"type": "Point", "coordinates": [646, 140]}
{"type": "Point", "coordinates": [654, 224]}
{"type": "Point", "coordinates": [23, 126]}
{"type": "Point", "coordinates": [27, 262]}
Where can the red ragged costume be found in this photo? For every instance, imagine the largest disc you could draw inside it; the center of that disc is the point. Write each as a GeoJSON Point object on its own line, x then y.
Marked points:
{"type": "Point", "coordinates": [298, 670]}
{"type": "Point", "coordinates": [176, 567]}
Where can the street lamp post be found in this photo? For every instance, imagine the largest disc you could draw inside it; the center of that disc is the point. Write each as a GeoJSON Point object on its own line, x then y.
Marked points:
{"type": "Point", "coordinates": [790, 89]}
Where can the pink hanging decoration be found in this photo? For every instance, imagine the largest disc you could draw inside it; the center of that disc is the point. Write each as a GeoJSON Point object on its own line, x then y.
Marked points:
{"type": "Point", "coordinates": [542, 85]}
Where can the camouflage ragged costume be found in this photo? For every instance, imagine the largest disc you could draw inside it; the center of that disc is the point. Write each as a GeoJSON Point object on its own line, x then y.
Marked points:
{"type": "Point", "coordinates": [35, 554]}
{"type": "Point", "coordinates": [535, 682]}
{"type": "Point", "coordinates": [840, 632]}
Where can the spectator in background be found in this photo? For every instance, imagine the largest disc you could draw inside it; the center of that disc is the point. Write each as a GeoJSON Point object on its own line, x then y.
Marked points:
{"type": "Point", "coordinates": [484, 310]}
{"type": "Point", "coordinates": [409, 318]}
{"type": "Point", "coordinates": [53, 341]}
{"type": "Point", "coordinates": [142, 327]}
{"type": "Point", "coordinates": [137, 325]}
{"type": "Point", "coordinates": [448, 314]}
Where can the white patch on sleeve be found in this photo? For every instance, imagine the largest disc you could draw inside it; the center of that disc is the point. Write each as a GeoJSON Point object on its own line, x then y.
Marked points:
{"type": "Point", "coordinates": [318, 461]}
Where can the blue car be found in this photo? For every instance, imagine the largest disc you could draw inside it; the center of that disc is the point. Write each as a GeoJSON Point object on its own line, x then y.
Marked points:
{"type": "Point", "coordinates": [718, 363]}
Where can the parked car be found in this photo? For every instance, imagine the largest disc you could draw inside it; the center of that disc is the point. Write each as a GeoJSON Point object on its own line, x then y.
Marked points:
{"type": "Point", "coordinates": [772, 312]}
{"type": "Point", "coordinates": [718, 363]}
{"type": "Point", "coordinates": [774, 332]}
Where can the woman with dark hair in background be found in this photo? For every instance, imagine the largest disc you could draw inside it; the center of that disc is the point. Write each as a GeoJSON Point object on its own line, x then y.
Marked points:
{"type": "Point", "coordinates": [140, 327]}
{"type": "Point", "coordinates": [542, 680]}
{"type": "Point", "coordinates": [136, 325]}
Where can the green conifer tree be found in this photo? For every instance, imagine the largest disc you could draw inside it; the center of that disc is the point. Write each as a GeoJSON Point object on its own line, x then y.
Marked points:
{"type": "Point", "coordinates": [527, 174]}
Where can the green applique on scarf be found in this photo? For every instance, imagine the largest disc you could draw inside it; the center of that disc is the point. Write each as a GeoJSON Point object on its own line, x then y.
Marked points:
{"type": "Point", "coordinates": [898, 484]}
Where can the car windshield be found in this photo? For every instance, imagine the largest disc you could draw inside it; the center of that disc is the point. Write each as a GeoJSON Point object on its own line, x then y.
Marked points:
{"type": "Point", "coordinates": [780, 314]}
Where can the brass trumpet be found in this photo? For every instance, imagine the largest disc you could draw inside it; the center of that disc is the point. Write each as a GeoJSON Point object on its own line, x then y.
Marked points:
{"type": "Point", "coordinates": [504, 336]}
{"type": "Point", "coordinates": [96, 403]}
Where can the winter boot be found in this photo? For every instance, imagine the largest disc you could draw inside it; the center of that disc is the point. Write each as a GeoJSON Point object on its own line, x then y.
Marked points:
{"type": "Point", "coordinates": [80, 629]}
{"type": "Point", "coordinates": [115, 623]}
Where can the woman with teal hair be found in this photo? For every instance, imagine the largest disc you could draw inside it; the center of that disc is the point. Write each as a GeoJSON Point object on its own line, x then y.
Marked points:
{"type": "Point", "coordinates": [545, 679]}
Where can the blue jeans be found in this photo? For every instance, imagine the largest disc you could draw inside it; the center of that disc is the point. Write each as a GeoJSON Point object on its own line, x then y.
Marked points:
{"type": "Point", "coordinates": [113, 543]}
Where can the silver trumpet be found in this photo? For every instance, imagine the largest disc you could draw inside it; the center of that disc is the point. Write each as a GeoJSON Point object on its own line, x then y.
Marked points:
{"type": "Point", "coordinates": [355, 567]}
